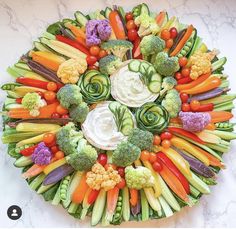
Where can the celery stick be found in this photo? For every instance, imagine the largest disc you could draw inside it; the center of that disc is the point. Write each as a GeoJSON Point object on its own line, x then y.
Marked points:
{"type": "Point", "coordinates": [144, 206]}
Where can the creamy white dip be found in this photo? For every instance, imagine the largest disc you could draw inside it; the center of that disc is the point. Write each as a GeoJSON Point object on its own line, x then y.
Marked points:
{"type": "Point", "coordinates": [100, 128]}
{"type": "Point", "coordinates": [128, 89]}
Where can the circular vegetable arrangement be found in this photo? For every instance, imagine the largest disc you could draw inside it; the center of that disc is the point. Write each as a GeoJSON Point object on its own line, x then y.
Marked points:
{"type": "Point", "coordinates": [119, 116]}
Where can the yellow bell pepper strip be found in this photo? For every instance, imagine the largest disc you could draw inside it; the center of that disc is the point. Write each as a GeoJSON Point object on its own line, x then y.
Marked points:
{"type": "Point", "coordinates": [184, 145]}
{"type": "Point", "coordinates": [178, 160]}
{"type": "Point", "coordinates": [49, 168]}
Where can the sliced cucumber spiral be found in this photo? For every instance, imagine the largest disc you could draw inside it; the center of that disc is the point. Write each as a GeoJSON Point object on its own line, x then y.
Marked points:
{"type": "Point", "coordinates": [152, 117]}
{"type": "Point", "coordinates": [95, 86]}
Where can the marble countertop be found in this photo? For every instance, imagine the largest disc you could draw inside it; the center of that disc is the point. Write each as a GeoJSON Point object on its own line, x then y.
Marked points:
{"type": "Point", "coordinates": [22, 21]}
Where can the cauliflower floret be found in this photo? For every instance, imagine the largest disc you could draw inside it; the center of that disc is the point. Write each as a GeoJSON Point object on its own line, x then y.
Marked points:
{"type": "Point", "coordinates": [70, 70]}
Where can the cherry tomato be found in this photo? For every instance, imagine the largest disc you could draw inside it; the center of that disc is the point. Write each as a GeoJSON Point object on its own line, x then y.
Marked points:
{"type": "Point", "coordinates": [178, 76]}
{"type": "Point", "coordinates": [173, 32]}
{"type": "Point", "coordinates": [169, 43]}
{"type": "Point", "coordinates": [156, 140]}
{"type": "Point", "coordinates": [51, 86]}
{"type": "Point", "coordinates": [61, 110]}
{"type": "Point", "coordinates": [145, 155]}
{"type": "Point", "coordinates": [166, 135]}
{"type": "Point", "coordinates": [121, 171]}
{"type": "Point", "coordinates": [54, 149]}
{"type": "Point", "coordinates": [157, 166]}
{"type": "Point", "coordinates": [130, 25]}
{"type": "Point", "coordinates": [94, 50]}
{"type": "Point", "coordinates": [183, 61]}
{"type": "Point", "coordinates": [185, 107]}
{"type": "Point", "coordinates": [102, 159]}
{"type": "Point", "coordinates": [152, 157]}
{"type": "Point", "coordinates": [121, 184]}
{"type": "Point", "coordinates": [166, 144]}
{"type": "Point", "coordinates": [184, 97]}
{"type": "Point", "coordinates": [185, 72]}
{"type": "Point", "coordinates": [102, 53]}
{"type": "Point", "coordinates": [165, 34]}
{"type": "Point", "coordinates": [55, 115]}
{"type": "Point", "coordinates": [49, 138]}
{"type": "Point", "coordinates": [129, 16]}
{"type": "Point", "coordinates": [49, 95]}
{"type": "Point", "coordinates": [91, 60]}
{"type": "Point", "coordinates": [65, 116]}
{"type": "Point", "coordinates": [53, 143]}
{"type": "Point", "coordinates": [110, 165]}
{"type": "Point", "coordinates": [59, 155]}
{"type": "Point", "coordinates": [93, 67]}
{"type": "Point", "coordinates": [194, 104]}
{"type": "Point", "coordinates": [132, 34]}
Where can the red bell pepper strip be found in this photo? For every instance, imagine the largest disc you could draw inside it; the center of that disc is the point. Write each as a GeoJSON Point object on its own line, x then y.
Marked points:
{"type": "Point", "coordinates": [136, 49]}
{"type": "Point", "coordinates": [28, 151]}
{"type": "Point", "coordinates": [32, 82]}
{"type": "Point", "coordinates": [184, 80]}
{"type": "Point", "coordinates": [186, 133]}
{"type": "Point", "coordinates": [19, 100]}
{"type": "Point", "coordinates": [171, 166]}
{"type": "Point", "coordinates": [73, 43]}
{"type": "Point", "coordinates": [205, 107]}
{"type": "Point", "coordinates": [92, 196]}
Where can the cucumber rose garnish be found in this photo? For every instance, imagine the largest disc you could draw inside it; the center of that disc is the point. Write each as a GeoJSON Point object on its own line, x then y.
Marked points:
{"type": "Point", "coordinates": [95, 87]}
{"type": "Point", "coordinates": [152, 117]}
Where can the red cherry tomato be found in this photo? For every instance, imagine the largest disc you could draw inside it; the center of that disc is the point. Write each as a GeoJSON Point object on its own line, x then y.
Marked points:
{"type": "Point", "coordinates": [130, 25]}
{"type": "Point", "coordinates": [132, 34]}
{"type": "Point", "coordinates": [65, 116]}
{"type": "Point", "coordinates": [91, 60]}
{"type": "Point", "coordinates": [185, 107]}
{"type": "Point", "coordinates": [166, 135]}
{"type": "Point", "coordinates": [166, 144]}
{"type": "Point", "coordinates": [165, 34]}
{"type": "Point", "coordinates": [194, 105]}
{"type": "Point", "coordinates": [102, 53]}
{"type": "Point", "coordinates": [183, 61]}
{"type": "Point", "coordinates": [152, 157]}
{"type": "Point", "coordinates": [185, 72]}
{"type": "Point", "coordinates": [129, 16]}
{"type": "Point", "coordinates": [102, 159]}
{"type": "Point", "coordinates": [121, 184]}
{"type": "Point", "coordinates": [54, 149]}
{"type": "Point", "coordinates": [173, 32]}
{"type": "Point", "coordinates": [169, 43]}
{"type": "Point", "coordinates": [49, 95]}
{"type": "Point", "coordinates": [157, 166]}
{"type": "Point", "coordinates": [156, 140]}
{"type": "Point", "coordinates": [49, 138]}
{"type": "Point", "coordinates": [51, 86]}
{"type": "Point", "coordinates": [93, 67]}
{"type": "Point", "coordinates": [55, 115]}
{"type": "Point", "coordinates": [178, 76]}
{"type": "Point", "coordinates": [184, 97]}
{"type": "Point", "coordinates": [94, 50]}
{"type": "Point", "coordinates": [121, 171]}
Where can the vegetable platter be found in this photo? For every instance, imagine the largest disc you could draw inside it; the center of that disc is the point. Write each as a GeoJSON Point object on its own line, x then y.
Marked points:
{"type": "Point", "coordinates": [119, 116]}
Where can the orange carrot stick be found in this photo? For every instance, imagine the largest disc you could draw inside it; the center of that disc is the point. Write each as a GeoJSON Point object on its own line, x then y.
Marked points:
{"type": "Point", "coordinates": [220, 116]}
{"type": "Point", "coordinates": [76, 31]}
{"type": "Point", "coordinates": [133, 196]}
{"type": "Point", "coordinates": [112, 198]}
{"type": "Point", "coordinates": [117, 25]}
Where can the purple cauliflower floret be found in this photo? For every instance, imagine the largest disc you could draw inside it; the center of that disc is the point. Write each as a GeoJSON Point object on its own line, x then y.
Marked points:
{"type": "Point", "coordinates": [97, 31]}
{"type": "Point", "coordinates": [194, 122]}
{"type": "Point", "coordinates": [41, 155]}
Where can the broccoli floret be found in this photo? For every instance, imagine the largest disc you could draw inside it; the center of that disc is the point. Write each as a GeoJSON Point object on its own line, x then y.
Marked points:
{"type": "Point", "coordinates": [168, 83]}
{"type": "Point", "coordinates": [141, 138]}
{"type": "Point", "coordinates": [125, 154]}
{"type": "Point", "coordinates": [84, 158]}
{"type": "Point", "coordinates": [166, 65]}
{"type": "Point", "coordinates": [172, 102]}
{"type": "Point", "coordinates": [117, 47]}
{"type": "Point", "coordinates": [69, 95]}
{"type": "Point", "coordinates": [138, 178]}
{"type": "Point", "coordinates": [147, 25]}
{"type": "Point", "coordinates": [79, 113]}
{"type": "Point", "coordinates": [68, 138]}
{"type": "Point", "coordinates": [151, 45]}
{"type": "Point", "coordinates": [109, 64]}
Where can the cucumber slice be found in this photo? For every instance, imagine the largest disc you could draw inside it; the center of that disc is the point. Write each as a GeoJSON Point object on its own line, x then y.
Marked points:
{"type": "Point", "coordinates": [12, 94]}
{"type": "Point", "coordinates": [37, 181]}
{"type": "Point", "coordinates": [107, 12]}
{"type": "Point", "coordinates": [134, 65]}
{"type": "Point", "coordinates": [22, 162]}
{"type": "Point", "coordinates": [144, 9]}
{"type": "Point", "coordinates": [40, 47]}
{"type": "Point", "coordinates": [113, 106]}
{"type": "Point", "coordinates": [144, 67]}
{"type": "Point", "coordinates": [22, 66]}
{"type": "Point", "coordinates": [81, 18]}
{"type": "Point", "coordinates": [12, 106]}
{"type": "Point", "coordinates": [154, 86]}
{"type": "Point", "coordinates": [219, 63]}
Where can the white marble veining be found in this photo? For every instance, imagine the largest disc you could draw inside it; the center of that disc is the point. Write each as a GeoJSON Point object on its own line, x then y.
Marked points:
{"type": "Point", "coordinates": [22, 21]}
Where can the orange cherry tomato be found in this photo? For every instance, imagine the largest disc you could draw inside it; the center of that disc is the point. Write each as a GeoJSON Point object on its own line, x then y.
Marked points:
{"type": "Point", "coordinates": [169, 43]}
{"type": "Point", "coordinates": [51, 86]}
{"type": "Point", "coordinates": [183, 61]}
{"type": "Point", "coordinates": [166, 144]}
{"type": "Point", "coordinates": [194, 105]}
{"type": "Point", "coordinates": [156, 140]}
{"type": "Point", "coordinates": [49, 95]}
{"type": "Point", "coordinates": [102, 53]}
{"type": "Point", "coordinates": [166, 135]}
{"type": "Point", "coordinates": [94, 50]}
{"type": "Point", "coordinates": [59, 155]}
{"type": "Point", "coordinates": [61, 110]}
{"type": "Point", "coordinates": [165, 34]}
{"type": "Point", "coordinates": [54, 149]}
{"type": "Point", "coordinates": [110, 165]}
{"type": "Point", "coordinates": [152, 157]}
{"type": "Point", "coordinates": [178, 76]}
{"type": "Point", "coordinates": [185, 72]}
{"type": "Point", "coordinates": [130, 25]}
{"type": "Point", "coordinates": [145, 155]}
{"type": "Point", "coordinates": [185, 107]}
{"type": "Point", "coordinates": [49, 138]}
{"type": "Point", "coordinates": [121, 184]}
